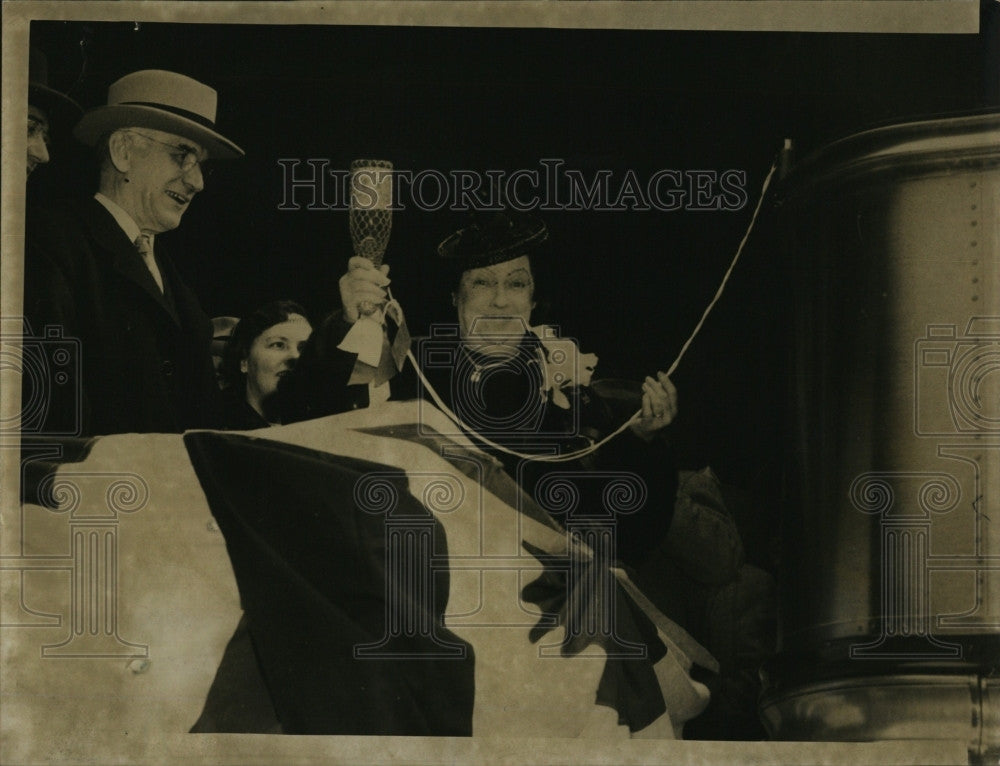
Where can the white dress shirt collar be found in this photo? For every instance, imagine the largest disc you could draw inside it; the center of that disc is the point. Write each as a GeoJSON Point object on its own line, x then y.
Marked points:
{"type": "Point", "coordinates": [124, 220]}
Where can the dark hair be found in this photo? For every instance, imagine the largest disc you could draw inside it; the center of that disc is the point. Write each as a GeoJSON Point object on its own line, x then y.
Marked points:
{"type": "Point", "coordinates": [247, 330]}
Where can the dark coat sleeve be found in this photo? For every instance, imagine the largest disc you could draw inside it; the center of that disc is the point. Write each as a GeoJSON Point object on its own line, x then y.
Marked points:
{"type": "Point", "coordinates": [318, 385]}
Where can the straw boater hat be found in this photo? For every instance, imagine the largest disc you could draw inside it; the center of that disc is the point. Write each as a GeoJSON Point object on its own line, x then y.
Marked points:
{"type": "Point", "coordinates": [159, 100]}
{"type": "Point", "coordinates": [61, 110]}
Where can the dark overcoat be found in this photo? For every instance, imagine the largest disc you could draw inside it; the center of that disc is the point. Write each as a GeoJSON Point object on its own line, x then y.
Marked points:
{"type": "Point", "coordinates": [144, 356]}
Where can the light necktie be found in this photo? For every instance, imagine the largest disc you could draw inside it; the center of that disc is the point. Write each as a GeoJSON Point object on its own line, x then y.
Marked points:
{"type": "Point", "coordinates": [144, 247]}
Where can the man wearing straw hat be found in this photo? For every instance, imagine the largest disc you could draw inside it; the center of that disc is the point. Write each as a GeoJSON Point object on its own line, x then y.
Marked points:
{"type": "Point", "coordinates": [47, 109]}
{"type": "Point", "coordinates": [103, 276]}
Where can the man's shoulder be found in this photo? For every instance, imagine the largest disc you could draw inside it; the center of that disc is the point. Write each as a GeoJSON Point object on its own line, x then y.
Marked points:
{"type": "Point", "coordinates": [64, 210]}
{"type": "Point", "coordinates": [66, 230]}
{"type": "Point", "coordinates": [62, 220]}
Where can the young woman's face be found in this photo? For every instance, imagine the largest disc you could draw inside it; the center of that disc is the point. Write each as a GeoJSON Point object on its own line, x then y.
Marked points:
{"type": "Point", "coordinates": [272, 355]}
{"type": "Point", "coordinates": [494, 304]}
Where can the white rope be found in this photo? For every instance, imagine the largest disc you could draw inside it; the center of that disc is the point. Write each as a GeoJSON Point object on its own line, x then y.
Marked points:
{"type": "Point", "coordinates": [729, 271]}
{"type": "Point", "coordinates": [569, 456]}
{"type": "Point", "coordinates": [478, 436]}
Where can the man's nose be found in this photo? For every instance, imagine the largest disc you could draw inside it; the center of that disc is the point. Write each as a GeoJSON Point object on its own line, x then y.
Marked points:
{"type": "Point", "coordinates": [193, 179]}
{"type": "Point", "coordinates": [38, 150]}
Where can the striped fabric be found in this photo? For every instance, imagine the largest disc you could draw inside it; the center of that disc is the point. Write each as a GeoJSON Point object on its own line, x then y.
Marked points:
{"type": "Point", "coordinates": [394, 581]}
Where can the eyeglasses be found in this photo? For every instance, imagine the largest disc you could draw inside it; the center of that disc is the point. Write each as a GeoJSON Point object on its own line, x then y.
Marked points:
{"type": "Point", "coordinates": [36, 129]}
{"type": "Point", "coordinates": [184, 156]}
{"type": "Point", "coordinates": [514, 285]}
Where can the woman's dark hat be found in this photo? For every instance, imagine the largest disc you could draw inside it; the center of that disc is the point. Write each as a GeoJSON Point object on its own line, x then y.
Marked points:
{"type": "Point", "coordinates": [493, 238]}
{"type": "Point", "coordinates": [61, 110]}
{"type": "Point", "coordinates": [167, 101]}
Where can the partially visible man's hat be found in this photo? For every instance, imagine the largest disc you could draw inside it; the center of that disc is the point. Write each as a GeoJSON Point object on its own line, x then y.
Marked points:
{"type": "Point", "coordinates": [493, 238]}
{"type": "Point", "coordinates": [167, 101]}
{"type": "Point", "coordinates": [60, 109]}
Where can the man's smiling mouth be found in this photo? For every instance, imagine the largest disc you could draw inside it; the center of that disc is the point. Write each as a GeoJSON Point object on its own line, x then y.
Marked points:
{"type": "Point", "coordinates": [178, 198]}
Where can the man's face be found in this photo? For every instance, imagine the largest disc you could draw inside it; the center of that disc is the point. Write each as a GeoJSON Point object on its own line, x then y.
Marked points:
{"type": "Point", "coordinates": [38, 138]}
{"type": "Point", "coordinates": [494, 304]}
{"type": "Point", "coordinates": [160, 186]}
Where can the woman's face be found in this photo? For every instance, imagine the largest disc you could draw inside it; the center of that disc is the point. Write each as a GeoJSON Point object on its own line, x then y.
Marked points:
{"type": "Point", "coordinates": [272, 354]}
{"type": "Point", "coordinates": [494, 305]}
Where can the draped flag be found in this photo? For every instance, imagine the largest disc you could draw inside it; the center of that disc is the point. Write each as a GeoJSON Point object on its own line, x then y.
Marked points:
{"type": "Point", "coordinates": [393, 581]}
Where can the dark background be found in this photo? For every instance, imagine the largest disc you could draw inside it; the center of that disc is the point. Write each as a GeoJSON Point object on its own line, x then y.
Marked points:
{"type": "Point", "coordinates": [631, 285]}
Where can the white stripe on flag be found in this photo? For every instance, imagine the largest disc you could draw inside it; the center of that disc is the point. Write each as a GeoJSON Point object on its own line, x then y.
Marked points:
{"type": "Point", "coordinates": [177, 604]}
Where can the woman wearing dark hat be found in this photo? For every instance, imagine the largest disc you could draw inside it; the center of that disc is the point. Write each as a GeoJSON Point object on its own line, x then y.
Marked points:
{"type": "Point", "coordinates": [501, 378]}
{"type": "Point", "coordinates": [517, 385]}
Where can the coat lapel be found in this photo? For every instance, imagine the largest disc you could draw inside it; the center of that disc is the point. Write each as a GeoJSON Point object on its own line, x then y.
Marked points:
{"type": "Point", "coordinates": [125, 260]}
